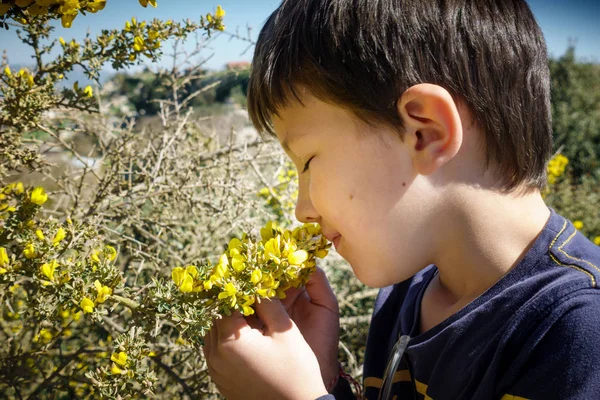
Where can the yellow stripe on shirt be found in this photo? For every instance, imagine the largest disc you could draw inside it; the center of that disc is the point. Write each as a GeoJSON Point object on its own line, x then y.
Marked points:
{"type": "Point", "coordinates": [400, 376]}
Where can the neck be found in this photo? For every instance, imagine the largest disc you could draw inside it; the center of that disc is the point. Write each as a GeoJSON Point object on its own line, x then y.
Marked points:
{"type": "Point", "coordinates": [487, 234]}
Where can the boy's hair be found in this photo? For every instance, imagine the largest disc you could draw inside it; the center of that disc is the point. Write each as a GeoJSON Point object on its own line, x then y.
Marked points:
{"type": "Point", "coordinates": [363, 54]}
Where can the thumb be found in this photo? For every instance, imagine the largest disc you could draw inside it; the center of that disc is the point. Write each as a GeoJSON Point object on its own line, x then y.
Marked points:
{"type": "Point", "coordinates": [272, 313]}
{"type": "Point", "coordinates": [320, 291]}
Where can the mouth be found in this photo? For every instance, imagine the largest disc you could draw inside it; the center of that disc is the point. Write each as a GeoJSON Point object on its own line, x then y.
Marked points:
{"type": "Point", "coordinates": [336, 240]}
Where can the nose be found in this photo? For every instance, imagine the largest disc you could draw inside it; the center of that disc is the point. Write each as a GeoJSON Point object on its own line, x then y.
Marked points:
{"type": "Point", "coordinates": [305, 210]}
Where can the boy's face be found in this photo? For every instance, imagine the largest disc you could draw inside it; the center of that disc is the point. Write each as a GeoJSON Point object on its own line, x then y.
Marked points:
{"type": "Point", "coordinates": [360, 186]}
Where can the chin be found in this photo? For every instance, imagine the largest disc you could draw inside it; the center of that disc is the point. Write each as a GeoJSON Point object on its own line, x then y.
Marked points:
{"type": "Point", "coordinates": [370, 279]}
{"type": "Point", "coordinates": [379, 278]}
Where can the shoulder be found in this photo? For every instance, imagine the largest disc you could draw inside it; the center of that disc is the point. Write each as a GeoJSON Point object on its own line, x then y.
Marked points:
{"type": "Point", "coordinates": [562, 361]}
{"type": "Point", "coordinates": [571, 249]}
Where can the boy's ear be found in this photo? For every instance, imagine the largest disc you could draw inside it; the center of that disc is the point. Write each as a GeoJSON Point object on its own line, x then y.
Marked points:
{"type": "Point", "coordinates": [433, 128]}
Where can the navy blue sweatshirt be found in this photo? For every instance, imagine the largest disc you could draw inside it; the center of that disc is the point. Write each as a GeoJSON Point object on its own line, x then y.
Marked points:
{"type": "Point", "coordinates": [535, 334]}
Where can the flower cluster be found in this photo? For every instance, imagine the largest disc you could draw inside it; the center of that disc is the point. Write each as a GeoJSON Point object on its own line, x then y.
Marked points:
{"type": "Point", "coordinates": [26, 95]}
{"type": "Point", "coordinates": [66, 10]}
{"type": "Point", "coordinates": [250, 270]}
{"type": "Point", "coordinates": [52, 257]}
{"type": "Point", "coordinates": [556, 167]}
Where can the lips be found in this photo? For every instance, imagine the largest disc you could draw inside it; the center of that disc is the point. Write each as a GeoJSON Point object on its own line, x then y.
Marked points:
{"type": "Point", "coordinates": [333, 238]}
{"type": "Point", "coordinates": [336, 241]}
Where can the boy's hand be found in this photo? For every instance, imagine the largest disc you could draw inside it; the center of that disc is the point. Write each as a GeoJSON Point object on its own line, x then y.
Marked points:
{"type": "Point", "coordinates": [274, 362]}
{"type": "Point", "coordinates": [315, 311]}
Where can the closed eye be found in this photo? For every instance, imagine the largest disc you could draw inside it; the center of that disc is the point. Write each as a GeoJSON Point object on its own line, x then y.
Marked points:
{"type": "Point", "coordinates": [307, 164]}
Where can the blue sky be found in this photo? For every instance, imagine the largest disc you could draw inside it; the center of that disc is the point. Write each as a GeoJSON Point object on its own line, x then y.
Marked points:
{"type": "Point", "coordinates": [560, 20]}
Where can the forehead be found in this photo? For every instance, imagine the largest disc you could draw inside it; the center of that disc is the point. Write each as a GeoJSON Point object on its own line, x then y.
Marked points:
{"type": "Point", "coordinates": [300, 118]}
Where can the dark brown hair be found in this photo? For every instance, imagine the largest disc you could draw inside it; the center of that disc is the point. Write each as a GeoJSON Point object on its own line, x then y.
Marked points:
{"type": "Point", "coordinates": [363, 54]}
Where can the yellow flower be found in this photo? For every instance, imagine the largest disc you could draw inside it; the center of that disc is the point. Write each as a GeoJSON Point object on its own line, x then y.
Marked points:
{"type": "Point", "coordinates": [230, 291]}
{"type": "Point", "coordinates": [266, 292]}
{"type": "Point", "coordinates": [69, 7]}
{"type": "Point", "coordinates": [112, 253]}
{"type": "Point", "coordinates": [597, 240]}
{"type": "Point", "coordinates": [60, 235]}
{"type": "Point", "coordinates": [272, 249]}
{"type": "Point", "coordinates": [29, 251]}
{"type": "Point", "coordinates": [235, 246]}
{"type": "Point", "coordinates": [152, 35]}
{"type": "Point", "coordinates": [88, 91]}
{"type": "Point", "coordinates": [266, 233]}
{"type": "Point", "coordinates": [237, 262]}
{"type": "Point", "coordinates": [62, 41]}
{"type": "Point", "coordinates": [246, 309]}
{"type": "Point", "coordinates": [115, 370]}
{"type": "Point", "coordinates": [120, 358]}
{"type": "Point", "coordinates": [182, 279]}
{"type": "Point", "coordinates": [103, 291]}
{"type": "Point", "coordinates": [46, 335]}
{"type": "Point", "coordinates": [145, 3]}
{"type": "Point", "coordinates": [220, 13]}
{"type": "Point", "coordinates": [39, 196]}
{"type": "Point", "coordinates": [18, 188]}
{"type": "Point", "coordinates": [192, 271]}
{"type": "Point", "coordinates": [96, 5]}
{"type": "Point", "coordinates": [256, 276]}
{"type": "Point", "coordinates": [578, 224]}
{"type": "Point", "coordinates": [322, 253]}
{"type": "Point", "coordinates": [3, 257]}
{"type": "Point", "coordinates": [94, 256]}
{"type": "Point", "coordinates": [67, 20]}
{"type": "Point", "coordinates": [7, 70]}
{"type": "Point", "coordinates": [48, 269]}
{"type": "Point", "coordinates": [87, 305]}
{"type": "Point", "coordinates": [138, 44]}
{"type": "Point", "coordinates": [39, 234]}
{"type": "Point", "coordinates": [298, 257]}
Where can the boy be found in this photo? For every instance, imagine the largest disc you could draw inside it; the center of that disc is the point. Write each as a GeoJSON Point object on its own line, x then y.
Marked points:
{"type": "Point", "coordinates": [420, 130]}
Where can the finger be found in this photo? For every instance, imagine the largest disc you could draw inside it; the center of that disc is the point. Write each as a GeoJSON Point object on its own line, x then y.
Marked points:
{"type": "Point", "coordinates": [230, 328]}
{"type": "Point", "coordinates": [254, 322]}
{"type": "Point", "coordinates": [292, 295]}
{"type": "Point", "coordinates": [272, 313]}
{"type": "Point", "coordinates": [214, 335]}
{"type": "Point", "coordinates": [320, 291]}
{"type": "Point", "coordinates": [207, 345]}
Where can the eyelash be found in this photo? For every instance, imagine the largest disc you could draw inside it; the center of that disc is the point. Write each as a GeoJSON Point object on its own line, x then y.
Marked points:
{"type": "Point", "coordinates": [306, 165]}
